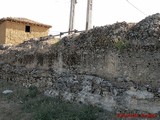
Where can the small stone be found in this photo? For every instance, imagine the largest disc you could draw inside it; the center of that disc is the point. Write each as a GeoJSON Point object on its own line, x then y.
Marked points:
{"type": "Point", "coordinates": [7, 91]}
{"type": "Point", "coordinates": [120, 79]}
{"type": "Point", "coordinates": [158, 90]}
{"type": "Point", "coordinates": [140, 94]}
{"type": "Point", "coordinates": [115, 92]}
{"type": "Point", "coordinates": [132, 89]}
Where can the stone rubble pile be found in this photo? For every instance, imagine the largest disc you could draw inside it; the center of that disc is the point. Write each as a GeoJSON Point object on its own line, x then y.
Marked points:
{"type": "Point", "coordinates": [32, 47]}
{"type": "Point", "coordinates": [35, 41]}
{"type": "Point", "coordinates": [143, 33]}
{"type": "Point", "coordinates": [99, 37]}
{"type": "Point", "coordinates": [146, 32]}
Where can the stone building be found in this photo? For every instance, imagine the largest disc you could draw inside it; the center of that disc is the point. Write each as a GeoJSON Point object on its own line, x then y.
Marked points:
{"type": "Point", "coordinates": [16, 30]}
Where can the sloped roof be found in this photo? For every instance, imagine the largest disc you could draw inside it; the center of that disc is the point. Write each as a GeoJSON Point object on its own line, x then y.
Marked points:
{"type": "Point", "coordinates": [24, 20]}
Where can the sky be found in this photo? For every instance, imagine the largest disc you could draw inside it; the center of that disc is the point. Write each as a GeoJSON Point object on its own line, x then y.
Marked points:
{"type": "Point", "coordinates": [56, 12]}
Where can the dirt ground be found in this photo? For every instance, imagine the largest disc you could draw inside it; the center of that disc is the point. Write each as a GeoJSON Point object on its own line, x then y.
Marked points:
{"type": "Point", "coordinates": [10, 105]}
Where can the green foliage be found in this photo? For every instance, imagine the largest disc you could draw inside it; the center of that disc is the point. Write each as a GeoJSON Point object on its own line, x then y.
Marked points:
{"type": "Point", "coordinates": [45, 108]}
{"type": "Point", "coordinates": [121, 44]}
{"type": "Point", "coordinates": [33, 91]}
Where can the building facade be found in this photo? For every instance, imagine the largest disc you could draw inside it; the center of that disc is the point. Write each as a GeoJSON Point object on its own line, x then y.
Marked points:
{"type": "Point", "coordinates": [17, 30]}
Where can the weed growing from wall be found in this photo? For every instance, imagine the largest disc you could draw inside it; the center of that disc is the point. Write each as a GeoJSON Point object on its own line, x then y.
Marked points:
{"type": "Point", "coordinates": [120, 44]}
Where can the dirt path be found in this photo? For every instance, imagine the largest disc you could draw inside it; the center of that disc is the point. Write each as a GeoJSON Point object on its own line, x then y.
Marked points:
{"type": "Point", "coordinates": [12, 111]}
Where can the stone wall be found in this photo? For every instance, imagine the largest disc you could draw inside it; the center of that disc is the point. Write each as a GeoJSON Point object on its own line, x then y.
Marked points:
{"type": "Point", "coordinates": [139, 64]}
{"type": "Point", "coordinates": [2, 33]}
{"type": "Point", "coordinates": [115, 96]}
{"type": "Point", "coordinates": [99, 67]}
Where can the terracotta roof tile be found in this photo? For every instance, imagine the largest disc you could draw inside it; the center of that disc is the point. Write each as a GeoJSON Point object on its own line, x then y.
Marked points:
{"type": "Point", "coordinates": [24, 20]}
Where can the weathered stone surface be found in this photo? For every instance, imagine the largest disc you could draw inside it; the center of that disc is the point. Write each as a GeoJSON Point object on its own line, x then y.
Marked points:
{"type": "Point", "coordinates": [140, 94]}
{"type": "Point", "coordinates": [151, 106]}
{"type": "Point", "coordinates": [146, 32]}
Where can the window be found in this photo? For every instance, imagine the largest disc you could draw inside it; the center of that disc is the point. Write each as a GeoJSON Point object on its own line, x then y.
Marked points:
{"type": "Point", "coordinates": [27, 29]}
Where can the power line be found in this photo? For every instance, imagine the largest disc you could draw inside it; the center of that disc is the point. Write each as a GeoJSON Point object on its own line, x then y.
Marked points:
{"type": "Point", "coordinates": [136, 7]}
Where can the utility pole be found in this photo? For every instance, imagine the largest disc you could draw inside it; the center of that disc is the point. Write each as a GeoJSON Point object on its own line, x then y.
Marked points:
{"type": "Point", "coordinates": [72, 14]}
{"type": "Point", "coordinates": [89, 15]}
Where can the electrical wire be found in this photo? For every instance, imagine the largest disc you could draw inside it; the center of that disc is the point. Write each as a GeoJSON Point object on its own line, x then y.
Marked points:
{"type": "Point", "coordinates": [136, 7]}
